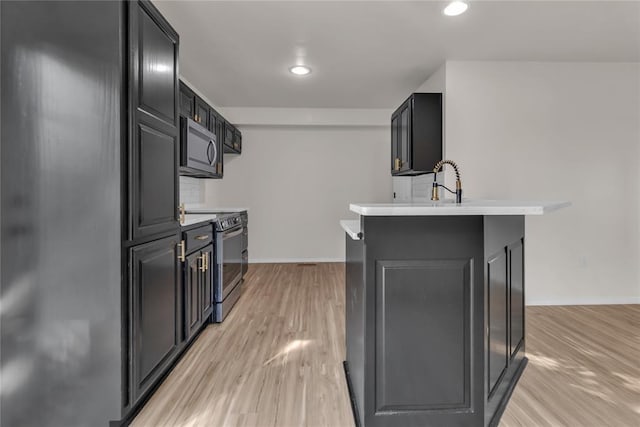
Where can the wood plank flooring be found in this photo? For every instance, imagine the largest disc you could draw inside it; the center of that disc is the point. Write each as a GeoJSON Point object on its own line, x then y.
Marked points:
{"type": "Point", "coordinates": [277, 361]}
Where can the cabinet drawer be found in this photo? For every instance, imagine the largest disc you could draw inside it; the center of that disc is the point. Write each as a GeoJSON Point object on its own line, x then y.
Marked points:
{"type": "Point", "coordinates": [198, 238]}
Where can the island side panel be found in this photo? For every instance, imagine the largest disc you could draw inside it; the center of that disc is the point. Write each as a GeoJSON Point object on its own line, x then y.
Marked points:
{"type": "Point", "coordinates": [505, 342]}
{"type": "Point", "coordinates": [424, 314]}
{"type": "Point", "coordinates": [354, 319]}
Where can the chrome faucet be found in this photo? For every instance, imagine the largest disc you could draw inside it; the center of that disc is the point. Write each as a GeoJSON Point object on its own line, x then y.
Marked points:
{"type": "Point", "coordinates": [434, 190]}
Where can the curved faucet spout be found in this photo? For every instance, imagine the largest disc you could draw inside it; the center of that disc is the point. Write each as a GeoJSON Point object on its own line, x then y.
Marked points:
{"type": "Point", "coordinates": [436, 169]}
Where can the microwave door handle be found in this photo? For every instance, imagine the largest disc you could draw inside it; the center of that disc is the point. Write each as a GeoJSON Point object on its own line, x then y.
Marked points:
{"type": "Point", "coordinates": [214, 158]}
{"type": "Point", "coordinates": [209, 152]}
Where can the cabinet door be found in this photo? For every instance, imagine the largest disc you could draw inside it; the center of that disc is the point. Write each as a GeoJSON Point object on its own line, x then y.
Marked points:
{"type": "Point", "coordinates": [516, 296]}
{"type": "Point", "coordinates": [154, 326]}
{"type": "Point", "coordinates": [228, 137]}
{"type": "Point", "coordinates": [405, 137]}
{"type": "Point", "coordinates": [395, 148]}
{"type": "Point", "coordinates": [237, 140]}
{"type": "Point", "coordinates": [202, 112]}
{"type": "Point", "coordinates": [213, 121]}
{"type": "Point", "coordinates": [192, 286]}
{"type": "Point", "coordinates": [153, 146]}
{"type": "Point", "coordinates": [497, 318]}
{"type": "Point", "coordinates": [420, 353]}
{"type": "Point", "coordinates": [206, 302]}
{"type": "Point", "coordinates": [187, 101]}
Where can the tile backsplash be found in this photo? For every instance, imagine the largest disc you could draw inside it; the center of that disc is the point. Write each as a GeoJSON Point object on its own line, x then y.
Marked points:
{"type": "Point", "coordinates": [191, 191]}
{"type": "Point", "coordinates": [414, 188]}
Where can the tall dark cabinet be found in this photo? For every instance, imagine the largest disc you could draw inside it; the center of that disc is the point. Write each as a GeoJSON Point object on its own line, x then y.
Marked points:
{"type": "Point", "coordinates": [154, 132]}
{"type": "Point", "coordinates": [153, 287]}
{"type": "Point", "coordinates": [416, 134]}
{"type": "Point", "coordinates": [89, 231]}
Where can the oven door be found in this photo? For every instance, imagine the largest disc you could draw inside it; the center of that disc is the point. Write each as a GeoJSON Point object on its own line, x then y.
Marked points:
{"type": "Point", "coordinates": [229, 256]}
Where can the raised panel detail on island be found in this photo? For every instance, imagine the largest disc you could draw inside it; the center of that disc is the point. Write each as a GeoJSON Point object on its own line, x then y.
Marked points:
{"type": "Point", "coordinates": [516, 296]}
{"type": "Point", "coordinates": [423, 325]}
{"type": "Point", "coordinates": [497, 318]}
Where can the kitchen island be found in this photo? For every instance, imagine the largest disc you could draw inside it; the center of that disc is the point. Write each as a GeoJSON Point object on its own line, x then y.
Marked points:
{"type": "Point", "coordinates": [435, 310]}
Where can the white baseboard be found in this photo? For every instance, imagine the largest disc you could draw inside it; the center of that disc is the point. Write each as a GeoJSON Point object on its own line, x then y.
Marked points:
{"type": "Point", "coordinates": [292, 260]}
{"type": "Point", "coordinates": [585, 301]}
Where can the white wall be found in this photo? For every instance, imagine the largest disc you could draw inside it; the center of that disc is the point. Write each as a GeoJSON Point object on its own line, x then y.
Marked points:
{"type": "Point", "coordinates": [298, 181]}
{"type": "Point", "coordinates": [562, 131]}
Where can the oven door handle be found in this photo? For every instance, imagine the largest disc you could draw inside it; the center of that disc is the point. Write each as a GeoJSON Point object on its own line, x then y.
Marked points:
{"type": "Point", "coordinates": [227, 235]}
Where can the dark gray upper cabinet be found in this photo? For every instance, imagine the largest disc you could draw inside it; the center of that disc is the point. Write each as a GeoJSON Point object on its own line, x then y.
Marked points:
{"type": "Point", "coordinates": [192, 106]}
{"type": "Point", "coordinates": [153, 148]}
{"type": "Point", "coordinates": [416, 134]}
{"type": "Point", "coordinates": [155, 324]}
{"type": "Point", "coordinates": [214, 121]}
{"type": "Point", "coordinates": [232, 139]}
{"type": "Point", "coordinates": [202, 112]}
{"type": "Point", "coordinates": [187, 101]}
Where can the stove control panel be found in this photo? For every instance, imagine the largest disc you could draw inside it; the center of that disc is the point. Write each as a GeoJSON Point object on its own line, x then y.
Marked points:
{"type": "Point", "coordinates": [229, 222]}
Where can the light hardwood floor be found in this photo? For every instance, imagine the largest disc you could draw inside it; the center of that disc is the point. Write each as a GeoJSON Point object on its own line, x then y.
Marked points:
{"type": "Point", "coordinates": [277, 361]}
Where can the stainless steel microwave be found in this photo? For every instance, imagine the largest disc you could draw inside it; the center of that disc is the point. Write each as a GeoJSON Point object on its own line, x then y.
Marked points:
{"type": "Point", "coordinates": [200, 151]}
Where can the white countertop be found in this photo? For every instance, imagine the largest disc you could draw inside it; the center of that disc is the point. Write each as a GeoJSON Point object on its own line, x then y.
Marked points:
{"type": "Point", "coordinates": [190, 219]}
{"type": "Point", "coordinates": [467, 207]}
{"type": "Point", "coordinates": [352, 228]}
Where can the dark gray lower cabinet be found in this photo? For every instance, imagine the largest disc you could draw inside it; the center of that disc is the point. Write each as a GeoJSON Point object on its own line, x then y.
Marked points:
{"type": "Point", "coordinates": [434, 319]}
{"type": "Point", "coordinates": [206, 284]}
{"type": "Point", "coordinates": [155, 323]}
{"type": "Point", "coordinates": [192, 295]}
{"type": "Point", "coordinates": [198, 290]}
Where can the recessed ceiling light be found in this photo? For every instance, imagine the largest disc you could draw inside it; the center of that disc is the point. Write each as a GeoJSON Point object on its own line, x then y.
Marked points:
{"type": "Point", "coordinates": [300, 70]}
{"type": "Point", "coordinates": [456, 8]}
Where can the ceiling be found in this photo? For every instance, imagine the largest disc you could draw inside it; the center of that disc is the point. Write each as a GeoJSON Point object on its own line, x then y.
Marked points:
{"type": "Point", "coordinates": [372, 54]}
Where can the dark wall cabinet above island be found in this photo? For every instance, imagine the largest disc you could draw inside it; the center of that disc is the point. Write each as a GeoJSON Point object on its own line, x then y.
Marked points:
{"type": "Point", "coordinates": [416, 134]}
